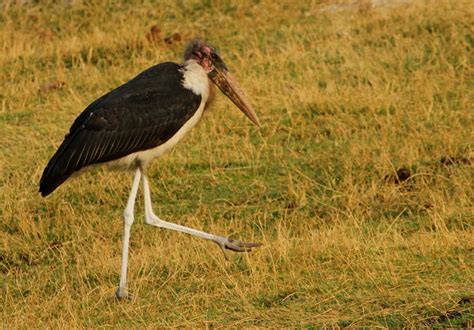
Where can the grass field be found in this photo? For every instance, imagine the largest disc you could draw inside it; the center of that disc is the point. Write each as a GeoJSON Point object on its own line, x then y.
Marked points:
{"type": "Point", "coordinates": [349, 95]}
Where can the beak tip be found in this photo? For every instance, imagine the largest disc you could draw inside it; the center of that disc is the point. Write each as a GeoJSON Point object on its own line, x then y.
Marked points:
{"type": "Point", "coordinates": [253, 117]}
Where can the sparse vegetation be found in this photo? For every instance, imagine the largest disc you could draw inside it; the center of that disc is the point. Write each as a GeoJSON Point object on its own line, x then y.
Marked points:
{"type": "Point", "coordinates": [359, 184]}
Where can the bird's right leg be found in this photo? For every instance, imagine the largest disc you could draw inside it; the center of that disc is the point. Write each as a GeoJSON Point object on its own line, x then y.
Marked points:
{"type": "Point", "coordinates": [224, 243]}
{"type": "Point", "coordinates": [128, 219]}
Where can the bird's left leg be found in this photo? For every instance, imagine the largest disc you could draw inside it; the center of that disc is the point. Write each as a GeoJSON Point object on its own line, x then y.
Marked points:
{"type": "Point", "coordinates": [223, 242]}
{"type": "Point", "coordinates": [128, 219]}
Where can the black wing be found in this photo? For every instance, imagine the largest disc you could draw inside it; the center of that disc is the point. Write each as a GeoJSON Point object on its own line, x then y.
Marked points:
{"type": "Point", "coordinates": [141, 114]}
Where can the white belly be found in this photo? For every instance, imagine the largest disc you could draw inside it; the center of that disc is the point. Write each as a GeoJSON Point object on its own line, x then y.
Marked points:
{"type": "Point", "coordinates": [143, 158]}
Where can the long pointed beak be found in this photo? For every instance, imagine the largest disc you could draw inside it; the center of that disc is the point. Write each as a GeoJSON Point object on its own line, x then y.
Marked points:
{"type": "Point", "coordinates": [229, 86]}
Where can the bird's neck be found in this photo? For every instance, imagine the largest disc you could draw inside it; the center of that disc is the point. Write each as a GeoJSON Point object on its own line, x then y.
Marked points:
{"type": "Point", "coordinates": [195, 79]}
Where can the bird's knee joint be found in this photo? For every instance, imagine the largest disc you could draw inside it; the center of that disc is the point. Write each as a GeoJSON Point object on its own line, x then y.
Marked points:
{"type": "Point", "coordinates": [128, 217]}
{"type": "Point", "coordinates": [152, 221]}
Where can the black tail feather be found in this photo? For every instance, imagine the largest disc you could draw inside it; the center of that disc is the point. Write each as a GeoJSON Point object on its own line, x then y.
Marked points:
{"type": "Point", "coordinates": [59, 168]}
{"type": "Point", "coordinates": [52, 176]}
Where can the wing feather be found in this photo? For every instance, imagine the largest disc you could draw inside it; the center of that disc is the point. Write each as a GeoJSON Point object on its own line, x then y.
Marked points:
{"type": "Point", "coordinates": [139, 115]}
{"type": "Point", "coordinates": [96, 148]}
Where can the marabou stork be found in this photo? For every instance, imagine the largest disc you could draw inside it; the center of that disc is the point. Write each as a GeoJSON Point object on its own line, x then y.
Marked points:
{"type": "Point", "coordinates": [140, 121]}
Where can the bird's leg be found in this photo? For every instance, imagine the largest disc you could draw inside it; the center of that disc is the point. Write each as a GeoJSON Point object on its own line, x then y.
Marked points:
{"type": "Point", "coordinates": [128, 221]}
{"type": "Point", "coordinates": [223, 242]}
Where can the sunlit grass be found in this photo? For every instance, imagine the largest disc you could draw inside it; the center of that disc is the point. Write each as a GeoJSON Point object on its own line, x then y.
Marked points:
{"type": "Point", "coordinates": [347, 98]}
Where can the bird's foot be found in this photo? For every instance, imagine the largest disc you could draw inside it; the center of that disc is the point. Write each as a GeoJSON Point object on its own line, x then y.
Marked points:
{"type": "Point", "coordinates": [123, 295]}
{"type": "Point", "coordinates": [235, 245]}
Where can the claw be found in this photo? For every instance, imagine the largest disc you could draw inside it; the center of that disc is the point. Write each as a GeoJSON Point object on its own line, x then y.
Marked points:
{"type": "Point", "coordinates": [235, 245]}
{"type": "Point", "coordinates": [239, 246]}
{"type": "Point", "coordinates": [123, 296]}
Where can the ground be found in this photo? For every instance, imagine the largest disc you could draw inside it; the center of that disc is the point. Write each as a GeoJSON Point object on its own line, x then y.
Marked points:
{"type": "Point", "coordinates": [359, 183]}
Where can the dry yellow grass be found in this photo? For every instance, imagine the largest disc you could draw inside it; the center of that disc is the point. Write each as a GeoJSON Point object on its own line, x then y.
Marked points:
{"type": "Point", "coordinates": [347, 96]}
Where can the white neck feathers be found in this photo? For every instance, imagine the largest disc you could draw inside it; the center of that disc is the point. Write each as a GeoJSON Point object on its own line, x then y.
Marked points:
{"type": "Point", "coordinates": [195, 79]}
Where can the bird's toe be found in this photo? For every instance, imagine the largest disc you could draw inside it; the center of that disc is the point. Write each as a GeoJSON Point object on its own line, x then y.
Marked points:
{"type": "Point", "coordinates": [123, 295]}
{"type": "Point", "coordinates": [235, 245]}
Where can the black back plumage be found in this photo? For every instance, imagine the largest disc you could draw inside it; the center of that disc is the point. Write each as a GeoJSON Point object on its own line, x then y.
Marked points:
{"type": "Point", "coordinates": [139, 115]}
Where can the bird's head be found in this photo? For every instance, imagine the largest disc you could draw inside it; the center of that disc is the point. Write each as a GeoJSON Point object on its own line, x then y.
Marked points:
{"type": "Point", "coordinates": [206, 55]}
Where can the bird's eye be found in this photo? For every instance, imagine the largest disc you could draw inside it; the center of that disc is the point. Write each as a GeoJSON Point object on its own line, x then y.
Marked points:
{"type": "Point", "coordinates": [214, 56]}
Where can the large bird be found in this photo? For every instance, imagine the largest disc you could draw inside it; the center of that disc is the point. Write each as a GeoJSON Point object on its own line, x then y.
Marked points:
{"type": "Point", "coordinates": [141, 120]}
